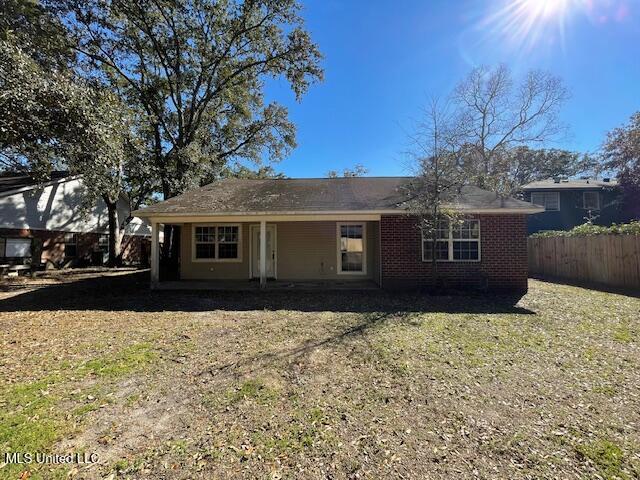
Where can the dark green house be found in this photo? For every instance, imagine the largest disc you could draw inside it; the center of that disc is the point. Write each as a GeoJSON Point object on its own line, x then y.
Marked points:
{"type": "Point", "coordinates": [569, 203]}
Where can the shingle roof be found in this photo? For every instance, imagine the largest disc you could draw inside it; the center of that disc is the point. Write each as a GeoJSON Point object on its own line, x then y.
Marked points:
{"type": "Point", "coordinates": [10, 181]}
{"type": "Point", "coordinates": [305, 195]}
{"type": "Point", "coordinates": [584, 184]}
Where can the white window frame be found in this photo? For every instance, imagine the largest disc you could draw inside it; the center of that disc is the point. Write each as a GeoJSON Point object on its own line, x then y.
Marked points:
{"type": "Point", "coordinates": [194, 259]}
{"type": "Point", "coordinates": [339, 248]}
{"type": "Point", "coordinates": [450, 241]}
{"type": "Point", "coordinates": [584, 203]}
{"type": "Point", "coordinates": [544, 204]}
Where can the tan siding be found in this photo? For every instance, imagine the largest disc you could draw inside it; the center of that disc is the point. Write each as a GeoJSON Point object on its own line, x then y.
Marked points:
{"type": "Point", "coordinates": [309, 251]}
{"type": "Point", "coordinates": [305, 251]}
{"type": "Point", "coordinates": [190, 270]}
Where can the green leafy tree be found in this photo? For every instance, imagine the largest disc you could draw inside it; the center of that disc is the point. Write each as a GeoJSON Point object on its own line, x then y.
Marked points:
{"type": "Point", "coordinates": [37, 110]}
{"type": "Point", "coordinates": [621, 155]}
{"type": "Point", "coordinates": [50, 120]}
{"type": "Point", "coordinates": [587, 229]}
{"type": "Point", "coordinates": [103, 153]}
{"type": "Point", "coordinates": [522, 165]}
{"type": "Point", "coordinates": [40, 35]}
{"type": "Point", "coordinates": [195, 70]}
{"type": "Point", "coordinates": [242, 171]}
{"type": "Point", "coordinates": [358, 170]}
{"type": "Point", "coordinates": [37, 98]}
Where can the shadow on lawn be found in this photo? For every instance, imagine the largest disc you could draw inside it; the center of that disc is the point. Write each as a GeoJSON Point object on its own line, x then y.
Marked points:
{"type": "Point", "coordinates": [294, 355]}
{"type": "Point", "coordinates": [131, 292]}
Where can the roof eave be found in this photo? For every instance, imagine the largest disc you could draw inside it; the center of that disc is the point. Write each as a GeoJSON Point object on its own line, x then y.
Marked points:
{"type": "Point", "coordinates": [48, 183]}
{"type": "Point", "coordinates": [503, 211]}
{"type": "Point", "coordinates": [143, 213]}
{"type": "Point", "coordinates": [488, 211]}
{"type": "Point", "coordinates": [572, 187]}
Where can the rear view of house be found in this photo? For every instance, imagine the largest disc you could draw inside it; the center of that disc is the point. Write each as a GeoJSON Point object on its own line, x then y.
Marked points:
{"type": "Point", "coordinates": [48, 218]}
{"type": "Point", "coordinates": [338, 231]}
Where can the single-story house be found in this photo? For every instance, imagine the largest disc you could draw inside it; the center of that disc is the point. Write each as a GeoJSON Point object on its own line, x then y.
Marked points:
{"type": "Point", "coordinates": [48, 217]}
{"type": "Point", "coordinates": [568, 203]}
{"type": "Point", "coordinates": [338, 231]}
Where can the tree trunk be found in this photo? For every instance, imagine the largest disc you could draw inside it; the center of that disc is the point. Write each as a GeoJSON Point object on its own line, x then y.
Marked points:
{"type": "Point", "coordinates": [115, 240]}
{"type": "Point", "coordinates": [169, 252]}
{"type": "Point", "coordinates": [167, 244]}
{"type": "Point", "coordinates": [434, 241]}
{"type": "Point", "coordinates": [168, 229]}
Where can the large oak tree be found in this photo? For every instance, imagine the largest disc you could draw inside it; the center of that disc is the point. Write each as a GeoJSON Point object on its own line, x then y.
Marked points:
{"type": "Point", "coordinates": [195, 70]}
{"type": "Point", "coordinates": [621, 155]}
{"type": "Point", "coordinates": [49, 120]}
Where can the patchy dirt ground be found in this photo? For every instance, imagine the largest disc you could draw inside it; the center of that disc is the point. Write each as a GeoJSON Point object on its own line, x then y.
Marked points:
{"type": "Point", "coordinates": [317, 385]}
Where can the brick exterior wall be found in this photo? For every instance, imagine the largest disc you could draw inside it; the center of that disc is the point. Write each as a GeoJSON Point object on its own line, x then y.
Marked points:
{"type": "Point", "coordinates": [503, 253]}
{"type": "Point", "coordinates": [135, 249]}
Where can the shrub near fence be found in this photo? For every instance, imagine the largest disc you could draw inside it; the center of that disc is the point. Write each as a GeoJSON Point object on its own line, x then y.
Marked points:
{"type": "Point", "coordinates": [589, 254]}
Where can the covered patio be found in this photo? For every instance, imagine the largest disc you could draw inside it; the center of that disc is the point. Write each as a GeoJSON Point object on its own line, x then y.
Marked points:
{"type": "Point", "coordinates": [284, 252]}
{"type": "Point", "coordinates": [252, 285]}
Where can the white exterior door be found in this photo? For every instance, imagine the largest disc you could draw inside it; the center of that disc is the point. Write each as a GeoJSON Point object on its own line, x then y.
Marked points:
{"type": "Point", "coordinates": [255, 251]}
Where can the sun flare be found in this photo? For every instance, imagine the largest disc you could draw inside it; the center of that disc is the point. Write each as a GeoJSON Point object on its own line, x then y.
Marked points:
{"type": "Point", "coordinates": [526, 23]}
{"type": "Point", "coordinates": [546, 8]}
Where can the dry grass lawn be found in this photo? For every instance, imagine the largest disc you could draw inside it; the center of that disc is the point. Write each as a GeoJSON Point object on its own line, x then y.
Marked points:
{"type": "Point", "coordinates": [318, 385]}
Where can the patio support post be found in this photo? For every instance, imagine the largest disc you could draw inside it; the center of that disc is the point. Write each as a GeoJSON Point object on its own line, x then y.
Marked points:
{"type": "Point", "coordinates": [263, 254]}
{"type": "Point", "coordinates": [155, 253]}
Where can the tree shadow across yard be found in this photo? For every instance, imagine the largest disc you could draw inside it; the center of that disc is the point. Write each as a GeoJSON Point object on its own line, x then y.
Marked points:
{"type": "Point", "coordinates": [294, 355]}
{"type": "Point", "coordinates": [130, 292]}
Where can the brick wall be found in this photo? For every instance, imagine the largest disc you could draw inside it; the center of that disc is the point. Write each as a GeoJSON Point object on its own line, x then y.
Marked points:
{"type": "Point", "coordinates": [503, 253]}
{"type": "Point", "coordinates": [135, 249]}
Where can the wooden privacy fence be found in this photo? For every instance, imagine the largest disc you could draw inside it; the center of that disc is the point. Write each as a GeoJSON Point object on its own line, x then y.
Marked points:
{"type": "Point", "coordinates": [612, 260]}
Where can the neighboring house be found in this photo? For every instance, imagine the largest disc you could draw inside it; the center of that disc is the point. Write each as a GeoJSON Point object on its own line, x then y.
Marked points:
{"type": "Point", "coordinates": [569, 203]}
{"type": "Point", "coordinates": [47, 218]}
{"type": "Point", "coordinates": [338, 231]}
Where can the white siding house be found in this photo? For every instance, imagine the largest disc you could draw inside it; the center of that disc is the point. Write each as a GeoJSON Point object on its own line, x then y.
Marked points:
{"type": "Point", "coordinates": [53, 213]}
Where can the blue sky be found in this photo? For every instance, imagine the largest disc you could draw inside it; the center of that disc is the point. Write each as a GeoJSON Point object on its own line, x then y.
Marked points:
{"type": "Point", "coordinates": [383, 60]}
